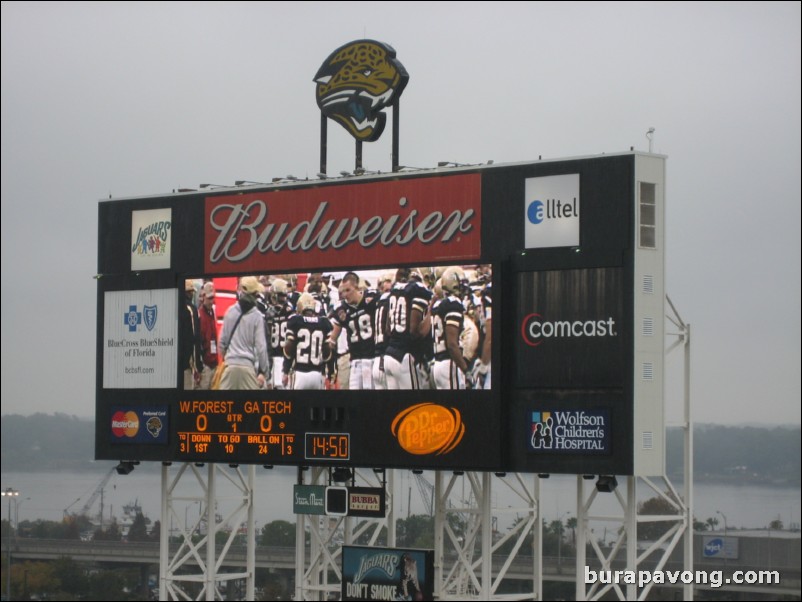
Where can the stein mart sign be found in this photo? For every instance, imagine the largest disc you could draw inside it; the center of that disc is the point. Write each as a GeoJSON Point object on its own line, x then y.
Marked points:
{"type": "Point", "coordinates": [308, 499]}
{"type": "Point", "coordinates": [401, 221]}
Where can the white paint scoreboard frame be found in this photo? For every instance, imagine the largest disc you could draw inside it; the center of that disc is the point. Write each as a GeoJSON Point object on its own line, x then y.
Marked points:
{"type": "Point", "coordinates": [570, 300]}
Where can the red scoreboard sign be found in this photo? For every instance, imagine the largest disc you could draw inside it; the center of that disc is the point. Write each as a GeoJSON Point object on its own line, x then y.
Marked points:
{"type": "Point", "coordinates": [395, 222]}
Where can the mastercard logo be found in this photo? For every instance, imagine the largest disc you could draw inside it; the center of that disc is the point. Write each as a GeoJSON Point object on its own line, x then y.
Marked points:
{"type": "Point", "coordinates": [125, 424]}
{"type": "Point", "coordinates": [428, 428]}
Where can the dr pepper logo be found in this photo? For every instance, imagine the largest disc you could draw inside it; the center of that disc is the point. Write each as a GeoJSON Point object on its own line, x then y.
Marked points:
{"type": "Point", "coordinates": [428, 428]}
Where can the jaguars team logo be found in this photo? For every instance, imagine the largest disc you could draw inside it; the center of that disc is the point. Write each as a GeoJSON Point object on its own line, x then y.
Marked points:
{"type": "Point", "coordinates": [356, 82]}
{"type": "Point", "coordinates": [154, 426]}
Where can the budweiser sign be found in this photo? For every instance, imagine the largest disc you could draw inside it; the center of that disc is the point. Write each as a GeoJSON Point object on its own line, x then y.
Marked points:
{"type": "Point", "coordinates": [429, 220]}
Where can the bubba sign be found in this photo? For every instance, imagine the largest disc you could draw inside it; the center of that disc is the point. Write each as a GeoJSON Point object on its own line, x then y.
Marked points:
{"type": "Point", "coordinates": [403, 221]}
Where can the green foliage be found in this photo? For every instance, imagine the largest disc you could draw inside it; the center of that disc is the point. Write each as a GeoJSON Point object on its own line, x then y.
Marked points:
{"type": "Point", "coordinates": [33, 578]}
{"type": "Point", "coordinates": [272, 586]}
{"type": "Point", "coordinates": [48, 529]}
{"type": "Point", "coordinates": [114, 584]}
{"type": "Point", "coordinates": [71, 575]}
{"type": "Point", "coordinates": [111, 533]}
{"type": "Point", "coordinates": [139, 529]}
{"type": "Point", "coordinates": [364, 538]}
{"type": "Point", "coordinates": [416, 531]}
{"type": "Point", "coordinates": [155, 532]}
{"type": "Point", "coordinates": [65, 579]}
{"type": "Point", "coordinates": [657, 505]}
{"type": "Point", "coordinates": [278, 533]}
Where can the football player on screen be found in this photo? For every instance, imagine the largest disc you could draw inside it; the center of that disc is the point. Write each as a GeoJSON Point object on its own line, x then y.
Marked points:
{"type": "Point", "coordinates": [307, 348]}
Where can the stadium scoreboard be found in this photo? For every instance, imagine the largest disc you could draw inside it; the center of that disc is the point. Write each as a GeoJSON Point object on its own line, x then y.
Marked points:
{"type": "Point", "coordinates": [564, 264]}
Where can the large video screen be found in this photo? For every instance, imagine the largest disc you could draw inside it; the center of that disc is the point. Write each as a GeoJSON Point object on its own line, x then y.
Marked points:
{"type": "Point", "coordinates": [399, 328]}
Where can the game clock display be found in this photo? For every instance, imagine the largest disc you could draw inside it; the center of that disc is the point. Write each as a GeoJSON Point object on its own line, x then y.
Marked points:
{"type": "Point", "coordinates": [327, 446]}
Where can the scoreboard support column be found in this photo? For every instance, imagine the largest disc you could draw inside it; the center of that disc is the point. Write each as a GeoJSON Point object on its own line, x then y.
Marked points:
{"type": "Point", "coordinates": [195, 562]}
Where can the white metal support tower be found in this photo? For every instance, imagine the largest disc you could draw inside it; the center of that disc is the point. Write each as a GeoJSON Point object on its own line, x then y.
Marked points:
{"type": "Point", "coordinates": [319, 574]}
{"type": "Point", "coordinates": [193, 569]}
{"type": "Point", "coordinates": [678, 521]}
{"type": "Point", "coordinates": [467, 549]}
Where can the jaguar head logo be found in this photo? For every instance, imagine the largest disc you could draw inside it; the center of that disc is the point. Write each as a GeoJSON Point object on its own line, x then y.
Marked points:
{"type": "Point", "coordinates": [154, 426]}
{"type": "Point", "coordinates": [356, 82]}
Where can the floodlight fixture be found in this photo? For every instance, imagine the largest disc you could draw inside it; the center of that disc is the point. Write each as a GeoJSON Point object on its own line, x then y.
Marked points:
{"type": "Point", "coordinates": [606, 484]}
{"type": "Point", "coordinates": [124, 467]}
{"type": "Point", "coordinates": [341, 474]}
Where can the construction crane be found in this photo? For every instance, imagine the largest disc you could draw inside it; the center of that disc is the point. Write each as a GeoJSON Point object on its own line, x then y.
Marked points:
{"type": "Point", "coordinates": [426, 490]}
{"type": "Point", "coordinates": [84, 511]}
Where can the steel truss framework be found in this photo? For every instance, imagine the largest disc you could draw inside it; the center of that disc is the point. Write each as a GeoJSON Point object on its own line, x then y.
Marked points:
{"type": "Point", "coordinates": [192, 571]}
{"type": "Point", "coordinates": [465, 541]}
{"type": "Point", "coordinates": [319, 575]}
{"type": "Point", "coordinates": [679, 523]}
{"type": "Point", "coordinates": [464, 534]}
{"type": "Point", "coordinates": [470, 576]}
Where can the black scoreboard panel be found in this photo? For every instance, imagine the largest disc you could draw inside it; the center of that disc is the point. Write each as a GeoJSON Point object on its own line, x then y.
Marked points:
{"type": "Point", "coordinates": [561, 315]}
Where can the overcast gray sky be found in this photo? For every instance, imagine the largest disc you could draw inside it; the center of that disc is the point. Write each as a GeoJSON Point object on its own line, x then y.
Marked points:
{"type": "Point", "coordinates": [136, 99]}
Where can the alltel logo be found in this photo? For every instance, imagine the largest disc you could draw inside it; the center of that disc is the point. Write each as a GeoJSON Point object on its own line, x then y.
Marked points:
{"type": "Point", "coordinates": [551, 211]}
{"type": "Point", "coordinates": [535, 329]}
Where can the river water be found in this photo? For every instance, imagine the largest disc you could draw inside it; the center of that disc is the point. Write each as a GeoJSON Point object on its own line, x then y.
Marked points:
{"type": "Point", "coordinates": [47, 494]}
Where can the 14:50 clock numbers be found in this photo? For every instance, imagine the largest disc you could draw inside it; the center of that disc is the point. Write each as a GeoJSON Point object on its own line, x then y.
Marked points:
{"type": "Point", "coordinates": [327, 446]}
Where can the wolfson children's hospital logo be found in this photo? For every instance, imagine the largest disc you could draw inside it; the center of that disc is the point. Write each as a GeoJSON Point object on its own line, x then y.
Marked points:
{"type": "Point", "coordinates": [570, 431]}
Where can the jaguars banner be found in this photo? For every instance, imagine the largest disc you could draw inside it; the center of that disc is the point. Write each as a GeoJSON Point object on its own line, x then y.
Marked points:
{"type": "Point", "coordinates": [387, 574]}
{"type": "Point", "coordinates": [355, 84]}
